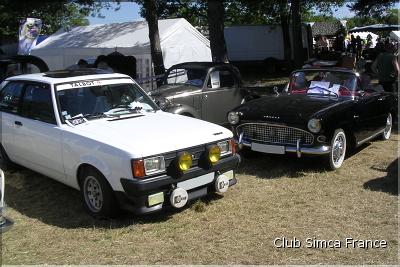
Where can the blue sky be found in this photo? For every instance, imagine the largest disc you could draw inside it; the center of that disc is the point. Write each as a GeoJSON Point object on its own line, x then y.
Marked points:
{"type": "Point", "coordinates": [130, 11]}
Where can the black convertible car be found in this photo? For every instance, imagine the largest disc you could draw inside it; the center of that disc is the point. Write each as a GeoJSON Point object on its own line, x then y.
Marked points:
{"type": "Point", "coordinates": [322, 111]}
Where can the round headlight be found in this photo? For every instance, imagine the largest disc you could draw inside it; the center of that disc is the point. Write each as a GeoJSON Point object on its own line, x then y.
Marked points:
{"type": "Point", "coordinates": [185, 161]}
{"type": "Point", "coordinates": [314, 125]}
{"type": "Point", "coordinates": [233, 117]}
{"type": "Point", "coordinates": [214, 154]}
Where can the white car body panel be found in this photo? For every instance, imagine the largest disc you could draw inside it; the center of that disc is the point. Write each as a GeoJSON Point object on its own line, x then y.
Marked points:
{"type": "Point", "coordinates": [58, 150]}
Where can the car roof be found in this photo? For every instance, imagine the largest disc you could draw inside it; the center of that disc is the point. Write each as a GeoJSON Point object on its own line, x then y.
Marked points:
{"type": "Point", "coordinates": [338, 69]}
{"type": "Point", "coordinates": [63, 76]}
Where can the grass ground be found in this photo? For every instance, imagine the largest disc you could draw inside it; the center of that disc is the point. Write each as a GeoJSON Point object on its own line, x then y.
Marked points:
{"type": "Point", "coordinates": [276, 196]}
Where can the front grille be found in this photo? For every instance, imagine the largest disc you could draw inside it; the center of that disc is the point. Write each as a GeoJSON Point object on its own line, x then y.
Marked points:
{"type": "Point", "coordinates": [273, 133]}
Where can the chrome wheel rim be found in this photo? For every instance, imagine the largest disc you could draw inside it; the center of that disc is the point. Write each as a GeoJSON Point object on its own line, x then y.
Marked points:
{"type": "Point", "coordinates": [338, 149]}
{"type": "Point", "coordinates": [93, 194]}
{"type": "Point", "coordinates": [388, 127]}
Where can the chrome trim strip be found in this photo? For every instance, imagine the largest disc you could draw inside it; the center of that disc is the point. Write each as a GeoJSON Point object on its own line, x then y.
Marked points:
{"type": "Point", "coordinates": [274, 125]}
{"type": "Point", "coordinates": [320, 150]}
{"type": "Point", "coordinates": [371, 137]}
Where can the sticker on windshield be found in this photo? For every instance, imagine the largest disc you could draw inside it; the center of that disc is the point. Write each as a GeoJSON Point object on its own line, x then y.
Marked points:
{"type": "Point", "coordinates": [76, 120]}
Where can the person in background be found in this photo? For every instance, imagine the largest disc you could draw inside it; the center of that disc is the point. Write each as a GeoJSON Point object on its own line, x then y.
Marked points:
{"type": "Point", "coordinates": [387, 68]}
{"type": "Point", "coordinates": [369, 41]}
{"type": "Point", "coordinates": [339, 43]}
{"type": "Point", "coordinates": [359, 47]}
{"type": "Point", "coordinates": [352, 44]}
{"type": "Point", "coordinates": [82, 64]}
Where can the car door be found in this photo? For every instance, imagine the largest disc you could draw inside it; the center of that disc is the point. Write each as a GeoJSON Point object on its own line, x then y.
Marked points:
{"type": "Point", "coordinates": [37, 138]}
{"type": "Point", "coordinates": [220, 94]}
{"type": "Point", "coordinates": [368, 115]}
{"type": "Point", "coordinates": [10, 98]}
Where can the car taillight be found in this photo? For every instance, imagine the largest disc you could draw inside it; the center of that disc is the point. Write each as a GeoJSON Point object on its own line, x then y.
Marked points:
{"type": "Point", "coordinates": [233, 146]}
{"type": "Point", "coordinates": [138, 168]}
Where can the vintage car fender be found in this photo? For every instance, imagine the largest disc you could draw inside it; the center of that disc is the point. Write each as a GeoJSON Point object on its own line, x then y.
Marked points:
{"type": "Point", "coordinates": [184, 110]}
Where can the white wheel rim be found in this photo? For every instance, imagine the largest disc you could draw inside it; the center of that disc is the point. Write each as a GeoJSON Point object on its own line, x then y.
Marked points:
{"type": "Point", "coordinates": [93, 194]}
{"type": "Point", "coordinates": [388, 128]}
{"type": "Point", "coordinates": [338, 149]}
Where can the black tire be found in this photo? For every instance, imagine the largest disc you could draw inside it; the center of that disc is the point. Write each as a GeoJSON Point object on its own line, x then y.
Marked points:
{"type": "Point", "coordinates": [5, 163]}
{"type": "Point", "coordinates": [337, 153]}
{"type": "Point", "coordinates": [388, 128]}
{"type": "Point", "coordinates": [97, 195]}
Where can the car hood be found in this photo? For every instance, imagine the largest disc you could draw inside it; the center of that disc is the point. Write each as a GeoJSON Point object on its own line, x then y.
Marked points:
{"type": "Point", "coordinates": [285, 109]}
{"type": "Point", "coordinates": [152, 133]}
{"type": "Point", "coordinates": [173, 90]}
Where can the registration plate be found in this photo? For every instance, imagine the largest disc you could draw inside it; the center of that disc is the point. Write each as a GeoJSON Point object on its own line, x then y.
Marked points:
{"type": "Point", "coordinates": [271, 149]}
{"type": "Point", "coordinates": [198, 181]}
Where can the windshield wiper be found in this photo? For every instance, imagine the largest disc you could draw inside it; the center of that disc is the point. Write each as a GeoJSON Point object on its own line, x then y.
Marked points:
{"type": "Point", "coordinates": [97, 115]}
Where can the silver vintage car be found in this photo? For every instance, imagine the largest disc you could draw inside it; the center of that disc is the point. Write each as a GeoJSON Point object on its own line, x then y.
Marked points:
{"type": "Point", "coordinates": [203, 90]}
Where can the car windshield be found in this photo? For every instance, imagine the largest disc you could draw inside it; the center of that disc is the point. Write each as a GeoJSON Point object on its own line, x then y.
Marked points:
{"type": "Point", "coordinates": [106, 100]}
{"type": "Point", "coordinates": [323, 82]}
{"type": "Point", "coordinates": [189, 76]}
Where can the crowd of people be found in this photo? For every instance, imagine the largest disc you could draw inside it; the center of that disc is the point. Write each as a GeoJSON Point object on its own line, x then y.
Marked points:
{"type": "Point", "coordinates": [384, 56]}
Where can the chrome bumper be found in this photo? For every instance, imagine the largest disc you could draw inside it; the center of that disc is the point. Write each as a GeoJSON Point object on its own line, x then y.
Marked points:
{"type": "Point", "coordinates": [319, 150]}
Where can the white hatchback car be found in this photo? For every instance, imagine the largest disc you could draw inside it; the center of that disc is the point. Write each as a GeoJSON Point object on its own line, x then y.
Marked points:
{"type": "Point", "coordinates": [102, 134]}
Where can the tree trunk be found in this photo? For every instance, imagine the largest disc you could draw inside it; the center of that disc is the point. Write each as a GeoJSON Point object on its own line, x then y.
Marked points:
{"type": "Point", "coordinates": [215, 14]}
{"type": "Point", "coordinates": [297, 35]}
{"type": "Point", "coordinates": [154, 36]}
{"type": "Point", "coordinates": [284, 17]}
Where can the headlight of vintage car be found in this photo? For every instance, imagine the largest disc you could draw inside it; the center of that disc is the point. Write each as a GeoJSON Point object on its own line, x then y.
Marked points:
{"type": "Point", "coordinates": [233, 117]}
{"type": "Point", "coordinates": [214, 154]}
{"type": "Point", "coordinates": [184, 161]}
{"type": "Point", "coordinates": [225, 147]}
{"type": "Point", "coordinates": [154, 165]}
{"type": "Point", "coordinates": [162, 103]}
{"type": "Point", "coordinates": [314, 125]}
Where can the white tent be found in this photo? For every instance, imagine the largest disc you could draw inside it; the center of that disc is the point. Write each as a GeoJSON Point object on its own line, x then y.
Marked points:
{"type": "Point", "coordinates": [180, 42]}
{"type": "Point", "coordinates": [363, 35]}
{"type": "Point", "coordinates": [395, 35]}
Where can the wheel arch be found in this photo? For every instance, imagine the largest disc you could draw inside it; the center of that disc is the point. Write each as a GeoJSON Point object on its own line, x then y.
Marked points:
{"type": "Point", "coordinates": [348, 131]}
{"type": "Point", "coordinates": [185, 109]}
{"type": "Point", "coordinates": [100, 168]}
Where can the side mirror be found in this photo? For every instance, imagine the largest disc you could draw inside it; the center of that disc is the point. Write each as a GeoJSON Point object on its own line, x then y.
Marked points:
{"type": "Point", "coordinates": [5, 223]}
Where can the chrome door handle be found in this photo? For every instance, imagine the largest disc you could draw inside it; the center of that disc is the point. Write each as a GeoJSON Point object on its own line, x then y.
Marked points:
{"type": "Point", "coordinates": [381, 98]}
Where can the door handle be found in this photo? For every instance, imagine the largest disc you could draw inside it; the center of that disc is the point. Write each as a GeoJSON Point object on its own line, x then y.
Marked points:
{"type": "Point", "coordinates": [381, 98]}
{"type": "Point", "coordinates": [18, 123]}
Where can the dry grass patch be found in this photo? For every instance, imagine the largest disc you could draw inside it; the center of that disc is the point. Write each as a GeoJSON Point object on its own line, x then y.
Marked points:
{"type": "Point", "coordinates": [276, 196]}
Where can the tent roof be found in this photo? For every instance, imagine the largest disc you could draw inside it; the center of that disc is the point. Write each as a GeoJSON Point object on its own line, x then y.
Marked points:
{"type": "Point", "coordinates": [375, 28]}
{"type": "Point", "coordinates": [115, 35]}
{"type": "Point", "coordinates": [395, 35]}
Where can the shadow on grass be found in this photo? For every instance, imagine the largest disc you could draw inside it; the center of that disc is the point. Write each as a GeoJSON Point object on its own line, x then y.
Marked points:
{"type": "Point", "coordinates": [389, 183]}
{"type": "Point", "coordinates": [54, 203]}
{"type": "Point", "coordinates": [268, 166]}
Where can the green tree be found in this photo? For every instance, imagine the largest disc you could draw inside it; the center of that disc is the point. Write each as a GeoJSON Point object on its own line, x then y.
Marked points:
{"type": "Point", "coordinates": [150, 11]}
{"type": "Point", "coordinates": [371, 7]}
{"type": "Point", "coordinates": [54, 15]}
{"type": "Point", "coordinates": [215, 16]}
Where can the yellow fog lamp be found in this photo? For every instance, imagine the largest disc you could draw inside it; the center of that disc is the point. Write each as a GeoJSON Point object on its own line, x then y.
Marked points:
{"type": "Point", "coordinates": [214, 154]}
{"type": "Point", "coordinates": [184, 161]}
{"type": "Point", "coordinates": [155, 199]}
